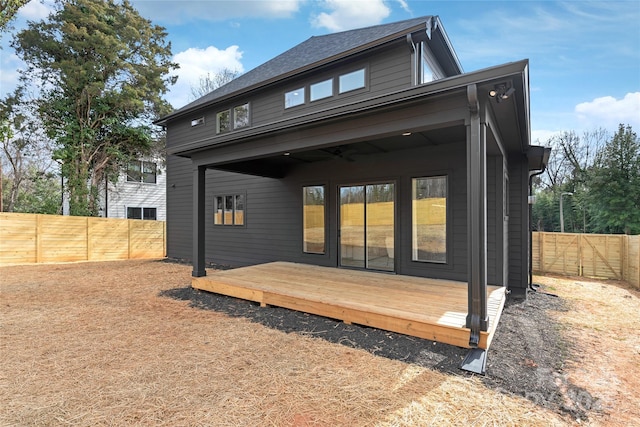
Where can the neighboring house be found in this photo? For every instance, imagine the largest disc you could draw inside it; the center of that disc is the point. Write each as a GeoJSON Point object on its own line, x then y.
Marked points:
{"type": "Point", "coordinates": [366, 149]}
{"type": "Point", "coordinates": [140, 192]}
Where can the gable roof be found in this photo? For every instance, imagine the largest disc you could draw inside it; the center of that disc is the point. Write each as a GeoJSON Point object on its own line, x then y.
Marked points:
{"type": "Point", "coordinates": [320, 50]}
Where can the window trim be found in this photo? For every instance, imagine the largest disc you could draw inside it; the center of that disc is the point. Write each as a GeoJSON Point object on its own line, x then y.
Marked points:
{"type": "Point", "coordinates": [142, 212]}
{"type": "Point", "coordinates": [364, 80]}
{"type": "Point", "coordinates": [234, 211]}
{"type": "Point", "coordinates": [142, 174]}
{"type": "Point", "coordinates": [303, 89]}
{"type": "Point", "coordinates": [229, 124]}
{"type": "Point", "coordinates": [234, 117]}
{"type": "Point", "coordinates": [447, 224]}
{"type": "Point", "coordinates": [332, 84]}
{"type": "Point", "coordinates": [325, 250]}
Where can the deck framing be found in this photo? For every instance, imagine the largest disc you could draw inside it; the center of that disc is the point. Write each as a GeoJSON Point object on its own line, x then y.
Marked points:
{"type": "Point", "coordinates": [432, 309]}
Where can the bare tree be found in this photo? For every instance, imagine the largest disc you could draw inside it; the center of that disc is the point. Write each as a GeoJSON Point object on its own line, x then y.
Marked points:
{"type": "Point", "coordinates": [211, 82]}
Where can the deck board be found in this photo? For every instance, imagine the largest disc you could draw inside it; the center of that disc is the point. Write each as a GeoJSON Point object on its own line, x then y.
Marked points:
{"type": "Point", "coordinates": [433, 309]}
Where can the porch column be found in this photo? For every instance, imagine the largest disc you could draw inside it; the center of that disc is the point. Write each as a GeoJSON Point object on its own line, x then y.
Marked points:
{"type": "Point", "coordinates": [477, 318]}
{"type": "Point", "coordinates": [198, 221]}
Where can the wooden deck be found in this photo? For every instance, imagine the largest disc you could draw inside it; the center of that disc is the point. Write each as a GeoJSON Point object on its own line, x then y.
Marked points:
{"type": "Point", "coordinates": [426, 308]}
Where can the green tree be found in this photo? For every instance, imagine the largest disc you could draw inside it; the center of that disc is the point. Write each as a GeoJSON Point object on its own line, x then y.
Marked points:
{"type": "Point", "coordinates": [8, 10]}
{"type": "Point", "coordinates": [103, 70]}
{"type": "Point", "coordinates": [614, 185]}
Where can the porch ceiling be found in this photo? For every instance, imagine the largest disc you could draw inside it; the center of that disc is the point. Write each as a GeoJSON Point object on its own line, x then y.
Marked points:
{"type": "Point", "coordinates": [280, 165]}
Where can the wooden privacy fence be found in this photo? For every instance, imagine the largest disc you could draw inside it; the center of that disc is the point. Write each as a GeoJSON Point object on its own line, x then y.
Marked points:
{"type": "Point", "coordinates": [32, 238]}
{"type": "Point", "coordinates": [605, 256]}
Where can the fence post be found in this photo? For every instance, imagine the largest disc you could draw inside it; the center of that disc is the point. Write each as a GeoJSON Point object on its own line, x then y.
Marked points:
{"type": "Point", "coordinates": [38, 238]}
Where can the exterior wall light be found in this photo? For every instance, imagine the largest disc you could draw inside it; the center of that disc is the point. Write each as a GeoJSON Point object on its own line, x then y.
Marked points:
{"type": "Point", "coordinates": [500, 92]}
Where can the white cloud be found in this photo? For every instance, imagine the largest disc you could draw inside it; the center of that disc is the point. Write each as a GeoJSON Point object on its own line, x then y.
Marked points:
{"type": "Point", "coordinates": [196, 63]}
{"type": "Point", "coordinates": [349, 14]}
{"type": "Point", "coordinates": [175, 11]}
{"type": "Point", "coordinates": [608, 112]}
{"type": "Point", "coordinates": [36, 10]}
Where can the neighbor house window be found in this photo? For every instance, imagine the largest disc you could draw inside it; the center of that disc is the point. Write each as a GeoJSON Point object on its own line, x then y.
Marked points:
{"type": "Point", "coordinates": [223, 121]}
{"type": "Point", "coordinates": [140, 171]}
{"type": "Point", "coordinates": [142, 213]}
{"type": "Point", "coordinates": [313, 219]}
{"type": "Point", "coordinates": [229, 209]}
{"type": "Point", "coordinates": [429, 219]}
{"type": "Point", "coordinates": [197, 122]}
{"type": "Point", "coordinates": [351, 81]}
{"type": "Point", "coordinates": [241, 116]}
{"type": "Point", "coordinates": [294, 97]}
{"type": "Point", "coordinates": [321, 90]}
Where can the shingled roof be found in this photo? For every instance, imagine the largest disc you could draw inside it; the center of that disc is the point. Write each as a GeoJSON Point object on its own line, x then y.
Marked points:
{"type": "Point", "coordinates": [313, 52]}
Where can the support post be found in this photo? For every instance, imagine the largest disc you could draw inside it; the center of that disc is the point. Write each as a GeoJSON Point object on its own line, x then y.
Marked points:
{"type": "Point", "coordinates": [477, 317]}
{"type": "Point", "coordinates": [198, 221]}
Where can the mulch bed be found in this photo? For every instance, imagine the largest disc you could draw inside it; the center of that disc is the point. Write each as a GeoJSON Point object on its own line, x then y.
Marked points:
{"type": "Point", "coordinates": [526, 358]}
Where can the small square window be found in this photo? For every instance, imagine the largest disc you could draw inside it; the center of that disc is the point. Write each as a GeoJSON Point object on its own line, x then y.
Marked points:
{"type": "Point", "coordinates": [321, 90]}
{"type": "Point", "coordinates": [294, 97]}
{"type": "Point", "coordinates": [241, 116]}
{"type": "Point", "coordinates": [351, 81]}
{"type": "Point", "coordinates": [229, 209]}
{"type": "Point", "coordinates": [197, 122]}
{"type": "Point", "coordinates": [223, 121]}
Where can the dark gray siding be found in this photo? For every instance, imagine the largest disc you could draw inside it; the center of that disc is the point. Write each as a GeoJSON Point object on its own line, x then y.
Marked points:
{"type": "Point", "coordinates": [389, 70]}
{"type": "Point", "coordinates": [518, 225]}
{"type": "Point", "coordinates": [179, 202]}
{"type": "Point", "coordinates": [273, 229]}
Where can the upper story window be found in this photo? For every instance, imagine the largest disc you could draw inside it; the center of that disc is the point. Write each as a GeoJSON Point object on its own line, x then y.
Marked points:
{"type": "Point", "coordinates": [223, 121]}
{"type": "Point", "coordinates": [294, 97]}
{"type": "Point", "coordinates": [428, 68]}
{"type": "Point", "coordinates": [321, 90]}
{"type": "Point", "coordinates": [197, 122]}
{"type": "Point", "coordinates": [140, 171]}
{"type": "Point", "coordinates": [351, 81]}
{"type": "Point", "coordinates": [241, 116]}
{"type": "Point", "coordinates": [324, 89]}
{"type": "Point", "coordinates": [236, 118]}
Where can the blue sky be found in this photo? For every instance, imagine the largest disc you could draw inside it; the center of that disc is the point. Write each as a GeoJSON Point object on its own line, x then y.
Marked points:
{"type": "Point", "coordinates": [584, 56]}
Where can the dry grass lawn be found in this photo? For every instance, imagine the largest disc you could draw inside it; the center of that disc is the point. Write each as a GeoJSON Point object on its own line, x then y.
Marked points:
{"type": "Point", "coordinates": [94, 344]}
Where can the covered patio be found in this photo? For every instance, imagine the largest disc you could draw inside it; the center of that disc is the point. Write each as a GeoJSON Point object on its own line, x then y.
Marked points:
{"type": "Point", "coordinates": [426, 308]}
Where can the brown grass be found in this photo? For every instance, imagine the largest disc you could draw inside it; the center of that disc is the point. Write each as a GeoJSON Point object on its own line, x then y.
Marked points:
{"type": "Point", "coordinates": [603, 324]}
{"type": "Point", "coordinates": [94, 344]}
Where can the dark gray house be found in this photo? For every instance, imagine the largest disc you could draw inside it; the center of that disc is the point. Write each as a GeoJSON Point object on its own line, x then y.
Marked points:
{"type": "Point", "coordinates": [367, 149]}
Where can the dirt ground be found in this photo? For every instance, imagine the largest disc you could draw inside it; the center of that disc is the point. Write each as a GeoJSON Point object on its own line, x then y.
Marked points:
{"type": "Point", "coordinates": [130, 343]}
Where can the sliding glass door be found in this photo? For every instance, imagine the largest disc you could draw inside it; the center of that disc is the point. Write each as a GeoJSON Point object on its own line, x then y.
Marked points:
{"type": "Point", "coordinates": [367, 225]}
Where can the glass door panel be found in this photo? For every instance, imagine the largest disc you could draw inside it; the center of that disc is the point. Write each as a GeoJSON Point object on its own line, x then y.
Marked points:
{"type": "Point", "coordinates": [380, 226]}
{"type": "Point", "coordinates": [367, 225]}
{"type": "Point", "coordinates": [352, 226]}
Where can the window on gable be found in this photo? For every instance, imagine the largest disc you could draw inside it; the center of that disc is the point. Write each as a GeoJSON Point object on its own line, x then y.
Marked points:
{"type": "Point", "coordinates": [139, 171]}
{"type": "Point", "coordinates": [294, 97]}
{"type": "Point", "coordinates": [241, 116]}
{"type": "Point", "coordinates": [429, 68]}
{"type": "Point", "coordinates": [351, 81]}
{"type": "Point", "coordinates": [321, 90]}
{"type": "Point", "coordinates": [223, 121]}
{"type": "Point", "coordinates": [229, 209]}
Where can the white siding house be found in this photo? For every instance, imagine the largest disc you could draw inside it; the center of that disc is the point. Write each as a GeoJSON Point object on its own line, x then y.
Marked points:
{"type": "Point", "coordinates": [140, 193]}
